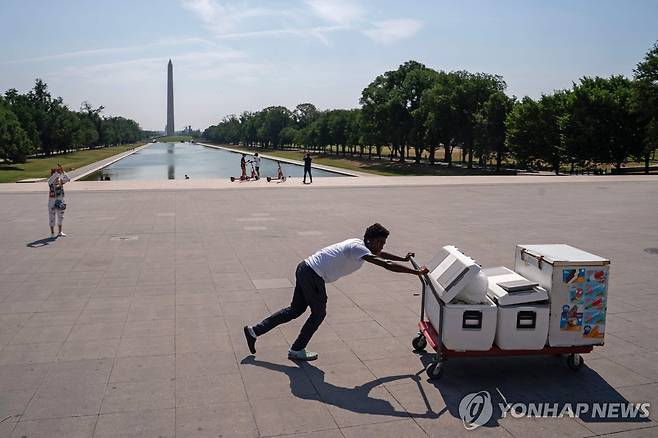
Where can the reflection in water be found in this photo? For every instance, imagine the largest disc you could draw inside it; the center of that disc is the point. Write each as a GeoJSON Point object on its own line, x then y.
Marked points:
{"type": "Point", "coordinates": [160, 161]}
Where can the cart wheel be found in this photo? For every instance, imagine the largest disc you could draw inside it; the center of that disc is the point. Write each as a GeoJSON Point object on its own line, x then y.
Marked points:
{"type": "Point", "coordinates": [575, 361]}
{"type": "Point", "coordinates": [434, 370]}
{"type": "Point", "coordinates": [419, 342]}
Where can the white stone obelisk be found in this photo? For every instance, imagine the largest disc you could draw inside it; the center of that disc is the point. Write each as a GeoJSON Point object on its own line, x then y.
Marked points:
{"type": "Point", "coordinates": [170, 99]}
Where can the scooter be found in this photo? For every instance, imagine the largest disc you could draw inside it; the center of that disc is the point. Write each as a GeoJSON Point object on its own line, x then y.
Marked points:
{"type": "Point", "coordinates": [254, 175]}
{"type": "Point", "coordinates": [280, 176]}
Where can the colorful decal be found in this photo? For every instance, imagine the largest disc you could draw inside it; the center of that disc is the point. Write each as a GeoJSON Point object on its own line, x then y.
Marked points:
{"type": "Point", "coordinates": [574, 276]}
{"type": "Point", "coordinates": [594, 331]}
{"type": "Point", "coordinates": [585, 312]}
{"type": "Point", "coordinates": [568, 275]}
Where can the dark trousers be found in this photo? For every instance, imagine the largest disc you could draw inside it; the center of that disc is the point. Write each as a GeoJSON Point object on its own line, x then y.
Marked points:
{"type": "Point", "coordinates": [309, 174]}
{"type": "Point", "coordinates": [258, 171]}
{"type": "Point", "coordinates": [309, 292]}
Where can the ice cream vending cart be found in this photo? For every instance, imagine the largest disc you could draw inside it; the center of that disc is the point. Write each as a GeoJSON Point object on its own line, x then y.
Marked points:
{"type": "Point", "coordinates": [455, 329]}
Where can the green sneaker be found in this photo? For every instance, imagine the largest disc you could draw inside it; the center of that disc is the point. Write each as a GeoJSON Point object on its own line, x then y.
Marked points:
{"type": "Point", "coordinates": [302, 355]}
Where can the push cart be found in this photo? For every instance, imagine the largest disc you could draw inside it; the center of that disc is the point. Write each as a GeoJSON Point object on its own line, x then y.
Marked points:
{"type": "Point", "coordinates": [428, 334]}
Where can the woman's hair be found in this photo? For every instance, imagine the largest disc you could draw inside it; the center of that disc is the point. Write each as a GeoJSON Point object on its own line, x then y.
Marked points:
{"type": "Point", "coordinates": [375, 231]}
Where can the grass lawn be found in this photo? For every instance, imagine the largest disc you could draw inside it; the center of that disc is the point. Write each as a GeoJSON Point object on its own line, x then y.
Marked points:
{"type": "Point", "coordinates": [40, 167]}
{"type": "Point", "coordinates": [383, 167]}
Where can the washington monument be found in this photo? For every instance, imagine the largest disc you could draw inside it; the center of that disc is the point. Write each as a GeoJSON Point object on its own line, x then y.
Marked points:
{"type": "Point", "coordinates": [170, 99]}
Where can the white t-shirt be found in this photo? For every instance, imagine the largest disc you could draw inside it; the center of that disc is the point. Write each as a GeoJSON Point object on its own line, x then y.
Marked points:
{"type": "Point", "coordinates": [338, 260]}
{"type": "Point", "coordinates": [257, 161]}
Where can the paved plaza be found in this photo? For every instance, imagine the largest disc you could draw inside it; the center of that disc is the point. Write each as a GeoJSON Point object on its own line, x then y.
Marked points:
{"type": "Point", "coordinates": [132, 325]}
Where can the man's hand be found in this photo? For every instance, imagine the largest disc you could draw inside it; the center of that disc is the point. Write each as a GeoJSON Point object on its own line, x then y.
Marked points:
{"type": "Point", "coordinates": [423, 270]}
{"type": "Point", "coordinates": [409, 256]}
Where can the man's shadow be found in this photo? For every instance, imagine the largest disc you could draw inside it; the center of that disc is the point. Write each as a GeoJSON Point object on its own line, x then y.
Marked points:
{"type": "Point", "coordinates": [356, 399]}
{"type": "Point", "coordinates": [41, 242]}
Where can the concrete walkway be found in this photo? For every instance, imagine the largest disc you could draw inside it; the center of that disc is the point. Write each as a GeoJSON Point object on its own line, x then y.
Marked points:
{"type": "Point", "coordinates": [132, 325]}
{"type": "Point", "coordinates": [333, 182]}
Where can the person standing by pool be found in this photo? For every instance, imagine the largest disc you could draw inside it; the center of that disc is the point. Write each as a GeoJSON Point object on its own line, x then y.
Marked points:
{"type": "Point", "coordinates": [307, 167]}
{"type": "Point", "coordinates": [56, 205]}
{"type": "Point", "coordinates": [257, 164]}
{"type": "Point", "coordinates": [243, 167]}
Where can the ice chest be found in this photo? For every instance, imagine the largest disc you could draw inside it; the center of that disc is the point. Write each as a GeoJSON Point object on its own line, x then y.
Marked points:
{"type": "Point", "coordinates": [464, 326]}
{"type": "Point", "coordinates": [577, 285]}
{"type": "Point", "coordinates": [523, 310]}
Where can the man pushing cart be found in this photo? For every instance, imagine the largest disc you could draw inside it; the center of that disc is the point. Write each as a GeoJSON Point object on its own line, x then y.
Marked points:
{"type": "Point", "coordinates": [326, 266]}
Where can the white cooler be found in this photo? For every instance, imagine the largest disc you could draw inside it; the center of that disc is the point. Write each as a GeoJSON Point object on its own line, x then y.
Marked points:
{"type": "Point", "coordinates": [577, 284]}
{"type": "Point", "coordinates": [523, 310]}
{"type": "Point", "coordinates": [464, 326]}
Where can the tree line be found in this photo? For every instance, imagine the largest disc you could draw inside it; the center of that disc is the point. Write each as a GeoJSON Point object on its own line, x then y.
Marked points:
{"type": "Point", "coordinates": [38, 123]}
{"type": "Point", "coordinates": [598, 121]}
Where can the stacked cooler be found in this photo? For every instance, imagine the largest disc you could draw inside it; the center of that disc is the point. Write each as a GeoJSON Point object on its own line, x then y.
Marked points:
{"type": "Point", "coordinates": [465, 326]}
{"type": "Point", "coordinates": [556, 295]}
{"type": "Point", "coordinates": [523, 310]}
{"type": "Point", "coordinates": [577, 283]}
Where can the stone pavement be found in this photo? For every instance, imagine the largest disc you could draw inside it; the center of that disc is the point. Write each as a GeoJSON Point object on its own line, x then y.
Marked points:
{"type": "Point", "coordinates": [132, 325]}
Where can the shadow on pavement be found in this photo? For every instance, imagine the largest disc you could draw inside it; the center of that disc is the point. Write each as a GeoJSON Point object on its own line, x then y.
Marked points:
{"type": "Point", "coordinates": [41, 242]}
{"type": "Point", "coordinates": [540, 380]}
{"type": "Point", "coordinates": [356, 399]}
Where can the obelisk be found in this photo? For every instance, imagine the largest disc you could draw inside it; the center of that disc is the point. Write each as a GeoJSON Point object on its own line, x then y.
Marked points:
{"type": "Point", "coordinates": [170, 99]}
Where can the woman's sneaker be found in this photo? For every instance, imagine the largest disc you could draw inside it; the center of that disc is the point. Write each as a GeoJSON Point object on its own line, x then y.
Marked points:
{"type": "Point", "coordinates": [302, 355]}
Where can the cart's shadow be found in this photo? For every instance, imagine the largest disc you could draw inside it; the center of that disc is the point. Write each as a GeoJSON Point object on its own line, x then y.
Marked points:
{"type": "Point", "coordinates": [356, 399]}
{"type": "Point", "coordinates": [538, 380]}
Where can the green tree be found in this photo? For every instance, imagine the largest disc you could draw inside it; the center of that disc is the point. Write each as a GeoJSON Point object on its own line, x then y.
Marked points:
{"type": "Point", "coordinates": [534, 130]}
{"type": "Point", "coordinates": [15, 145]}
{"type": "Point", "coordinates": [439, 113]}
{"type": "Point", "coordinates": [93, 115]}
{"type": "Point", "coordinates": [601, 126]}
{"type": "Point", "coordinates": [388, 104]}
{"type": "Point", "coordinates": [645, 103]}
{"type": "Point", "coordinates": [288, 135]}
{"type": "Point", "coordinates": [273, 119]}
{"type": "Point", "coordinates": [490, 126]}
{"type": "Point", "coordinates": [22, 108]}
{"type": "Point", "coordinates": [304, 114]}
{"type": "Point", "coordinates": [471, 93]}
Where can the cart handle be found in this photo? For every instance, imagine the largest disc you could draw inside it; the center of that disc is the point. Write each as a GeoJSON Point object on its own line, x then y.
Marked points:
{"type": "Point", "coordinates": [416, 266]}
{"type": "Point", "coordinates": [424, 279]}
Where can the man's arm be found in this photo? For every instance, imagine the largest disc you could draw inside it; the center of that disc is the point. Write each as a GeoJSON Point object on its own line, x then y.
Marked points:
{"type": "Point", "coordinates": [392, 266]}
{"type": "Point", "coordinates": [389, 256]}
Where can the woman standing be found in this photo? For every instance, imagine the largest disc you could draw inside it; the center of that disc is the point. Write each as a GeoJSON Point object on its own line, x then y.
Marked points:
{"type": "Point", "coordinates": [56, 204]}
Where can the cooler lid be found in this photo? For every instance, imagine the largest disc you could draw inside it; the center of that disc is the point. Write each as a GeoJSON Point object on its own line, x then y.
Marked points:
{"type": "Point", "coordinates": [561, 254]}
{"type": "Point", "coordinates": [506, 287]}
{"type": "Point", "coordinates": [450, 271]}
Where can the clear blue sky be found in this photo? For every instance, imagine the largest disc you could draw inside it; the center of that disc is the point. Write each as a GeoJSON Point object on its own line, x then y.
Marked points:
{"type": "Point", "coordinates": [231, 56]}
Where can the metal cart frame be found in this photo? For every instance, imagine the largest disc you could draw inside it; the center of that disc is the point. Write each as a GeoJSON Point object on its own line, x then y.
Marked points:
{"type": "Point", "coordinates": [429, 334]}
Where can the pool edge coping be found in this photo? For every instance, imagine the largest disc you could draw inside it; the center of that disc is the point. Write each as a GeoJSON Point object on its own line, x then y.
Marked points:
{"type": "Point", "coordinates": [113, 160]}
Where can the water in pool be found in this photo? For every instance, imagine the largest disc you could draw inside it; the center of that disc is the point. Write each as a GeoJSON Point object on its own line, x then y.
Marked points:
{"type": "Point", "coordinates": [160, 161]}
